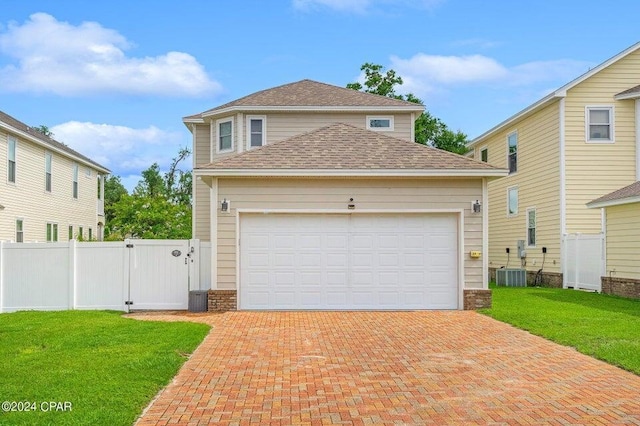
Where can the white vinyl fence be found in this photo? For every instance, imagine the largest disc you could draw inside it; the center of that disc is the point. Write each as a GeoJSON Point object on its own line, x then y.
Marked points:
{"type": "Point", "coordinates": [584, 260]}
{"type": "Point", "coordinates": [129, 275]}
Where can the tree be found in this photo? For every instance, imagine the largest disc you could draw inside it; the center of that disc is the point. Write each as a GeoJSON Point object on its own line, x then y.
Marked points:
{"type": "Point", "coordinates": [113, 192]}
{"type": "Point", "coordinates": [429, 130]}
{"type": "Point", "coordinates": [44, 130]}
{"type": "Point", "coordinates": [159, 206]}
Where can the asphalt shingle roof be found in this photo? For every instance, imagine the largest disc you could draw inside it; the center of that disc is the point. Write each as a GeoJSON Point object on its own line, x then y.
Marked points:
{"type": "Point", "coordinates": [309, 93]}
{"type": "Point", "coordinates": [342, 146]}
{"type": "Point", "coordinates": [633, 91]}
{"type": "Point", "coordinates": [630, 191]}
{"type": "Point", "coordinates": [16, 124]}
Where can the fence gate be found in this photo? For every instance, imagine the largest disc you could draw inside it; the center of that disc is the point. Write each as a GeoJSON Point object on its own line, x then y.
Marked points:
{"type": "Point", "coordinates": [583, 261]}
{"type": "Point", "coordinates": [158, 274]}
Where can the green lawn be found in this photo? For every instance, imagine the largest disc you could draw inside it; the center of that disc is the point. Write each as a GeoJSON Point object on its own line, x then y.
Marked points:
{"type": "Point", "coordinates": [605, 327]}
{"type": "Point", "coordinates": [105, 367]}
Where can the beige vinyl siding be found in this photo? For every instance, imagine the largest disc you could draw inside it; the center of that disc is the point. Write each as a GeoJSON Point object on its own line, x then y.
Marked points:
{"type": "Point", "coordinates": [285, 125]}
{"type": "Point", "coordinates": [324, 194]}
{"type": "Point", "coordinates": [595, 169]}
{"type": "Point", "coordinates": [202, 155]}
{"type": "Point", "coordinates": [28, 200]}
{"type": "Point", "coordinates": [623, 241]}
{"type": "Point", "coordinates": [538, 183]}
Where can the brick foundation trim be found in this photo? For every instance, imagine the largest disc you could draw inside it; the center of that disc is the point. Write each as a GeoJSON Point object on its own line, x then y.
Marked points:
{"type": "Point", "coordinates": [549, 279]}
{"type": "Point", "coordinates": [222, 300]}
{"type": "Point", "coordinates": [476, 299]}
{"type": "Point", "coordinates": [623, 287]}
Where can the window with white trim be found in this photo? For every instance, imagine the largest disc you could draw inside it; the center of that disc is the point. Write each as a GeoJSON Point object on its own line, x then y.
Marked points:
{"type": "Point", "coordinates": [512, 201]}
{"type": "Point", "coordinates": [48, 158]}
{"type": "Point", "coordinates": [599, 124]}
{"type": "Point", "coordinates": [11, 159]}
{"type": "Point", "coordinates": [52, 232]}
{"type": "Point", "coordinates": [225, 135]}
{"type": "Point", "coordinates": [484, 155]}
{"type": "Point", "coordinates": [80, 233]}
{"type": "Point", "coordinates": [70, 232]}
{"type": "Point", "coordinates": [531, 227]}
{"type": "Point", "coordinates": [19, 231]}
{"type": "Point", "coordinates": [90, 234]}
{"type": "Point", "coordinates": [256, 131]}
{"type": "Point", "coordinates": [380, 123]}
{"type": "Point", "coordinates": [75, 181]}
{"type": "Point", "coordinates": [512, 146]}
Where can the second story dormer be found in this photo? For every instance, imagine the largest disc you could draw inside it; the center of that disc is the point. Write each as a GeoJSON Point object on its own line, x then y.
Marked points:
{"type": "Point", "coordinates": [281, 112]}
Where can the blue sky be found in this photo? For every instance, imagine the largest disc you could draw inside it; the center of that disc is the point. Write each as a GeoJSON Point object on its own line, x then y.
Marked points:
{"type": "Point", "coordinates": [113, 79]}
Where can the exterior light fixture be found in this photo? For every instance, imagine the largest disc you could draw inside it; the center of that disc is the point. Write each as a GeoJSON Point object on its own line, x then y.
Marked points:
{"type": "Point", "coordinates": [225, 205]}
{"type": "Point", "coordinates": [476, 206]}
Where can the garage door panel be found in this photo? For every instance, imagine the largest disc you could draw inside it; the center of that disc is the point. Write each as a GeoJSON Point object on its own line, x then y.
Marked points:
{"type": "Point", "coordinates": [386, 260]}
{"type": "Point", "coordinates": [359, 261]}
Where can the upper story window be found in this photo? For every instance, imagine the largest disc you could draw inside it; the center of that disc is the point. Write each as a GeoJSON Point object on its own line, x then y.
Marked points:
{"type": "Point", "coordinates": [47, 171]}
{"type": "Point", "coordinates": [225, 135]}
{"type": "Point", "coordinates": [382, 123]}
{"type": "Point", "coordinates": [484, 155]}
{"type": "Point", "coordinates": [11, 157]}
{"type": "Point", "coordinates": [75, 181]}
{"type": "Point", "coordinates": [99, 187]}
{"type": "Point", "coordinates": [599, 126]}
{"type": "Point", "coordinates": [512, 142]}
{"type": "Point", "coordinates": [512, 201]}
{"type": "Point", "coordinates": [256, 131]}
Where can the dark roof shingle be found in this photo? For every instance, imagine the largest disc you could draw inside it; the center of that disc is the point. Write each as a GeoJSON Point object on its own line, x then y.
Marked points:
{"type": "Point", "coordinates": [630, 191]}
{"type": "Point", "coordinates": [309, 93]}
{"type": "Point", "coordinates": [342, 146]}
{"type": "Point", "coordinates": [16, 124]}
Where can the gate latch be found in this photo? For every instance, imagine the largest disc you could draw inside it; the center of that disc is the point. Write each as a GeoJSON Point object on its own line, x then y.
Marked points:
{"type": "Point", "coordinates": [128, 302]}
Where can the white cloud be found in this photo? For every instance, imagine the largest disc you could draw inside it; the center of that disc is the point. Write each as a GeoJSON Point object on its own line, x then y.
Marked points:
{"type": "Point", "coordinates": [58, 57]}
{"type": "Point", "coordinates": [360, 6]}
{"type": "Point", "coordinates": [124, 150]}
{"type": "Point", "coordinates": [423, 74]}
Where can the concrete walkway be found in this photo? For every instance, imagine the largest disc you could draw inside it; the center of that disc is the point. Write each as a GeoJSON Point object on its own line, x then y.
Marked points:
{"type": "Point", "coordinates": [391, 368]}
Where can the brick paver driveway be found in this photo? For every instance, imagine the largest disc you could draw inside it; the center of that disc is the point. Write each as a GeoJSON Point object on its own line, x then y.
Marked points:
{"type": "Point", "coordinates": [388, 368]}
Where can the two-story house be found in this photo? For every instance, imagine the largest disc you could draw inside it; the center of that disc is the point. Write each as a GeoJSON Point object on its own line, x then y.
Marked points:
{"type": "Point", "coordinates": [576, 144]}
{"type": "Point", "coordinates": [316, 197]}
{"type": "Point", "coordinates": [50, 192]}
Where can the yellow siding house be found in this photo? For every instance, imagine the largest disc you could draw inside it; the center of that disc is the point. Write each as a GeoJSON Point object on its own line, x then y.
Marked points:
{"type": "Point", "coordinates": [49, 191]}
{"type": "Point", "coordinates": [576, 144]}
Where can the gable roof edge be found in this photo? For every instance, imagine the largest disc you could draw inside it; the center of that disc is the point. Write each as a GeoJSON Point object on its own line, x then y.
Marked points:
{"type": "Point", "coordinates": [556, 94]}
{"type": "Point", "coordinates": [49, 146]}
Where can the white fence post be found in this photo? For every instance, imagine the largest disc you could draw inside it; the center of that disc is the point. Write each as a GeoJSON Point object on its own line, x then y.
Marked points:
{"type": "Point", "coordinates": [194, 264]}
{"type": "Point", "coordinates": [72, 275]}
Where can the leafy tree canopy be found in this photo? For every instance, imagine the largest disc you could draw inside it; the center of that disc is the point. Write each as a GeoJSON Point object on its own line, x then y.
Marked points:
{"type": "Point", "coordinates": [429, 130]}
{"type": "Point", "coordinates": [158, 208]}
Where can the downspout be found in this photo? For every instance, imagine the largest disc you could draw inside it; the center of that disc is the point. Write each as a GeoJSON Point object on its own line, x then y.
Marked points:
{"type": "Point", "coordinates": [637, 139]}
{"type": "Point", "coordinates": [563, 192]}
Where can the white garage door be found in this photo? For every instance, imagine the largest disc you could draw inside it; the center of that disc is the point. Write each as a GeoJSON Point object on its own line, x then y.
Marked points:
{"type": "Point", "coordinates": [348, 261]}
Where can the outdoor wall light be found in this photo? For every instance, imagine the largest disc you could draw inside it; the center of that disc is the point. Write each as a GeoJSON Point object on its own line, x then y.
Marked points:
{"type": "Point", "coordinates": [476, 206]}
{"type": "Point", "coordinates": [225, 205]}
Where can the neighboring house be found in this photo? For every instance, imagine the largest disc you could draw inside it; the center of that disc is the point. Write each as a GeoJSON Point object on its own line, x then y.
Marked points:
{"type": "Point", "coordinates": [316, 197]}
{"type": "Point", "coordinates": [621, 227]}
{"type": "Point", "coordinates": [50, 192]}
{"type": "Point", "coordinates": [575, 144]}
